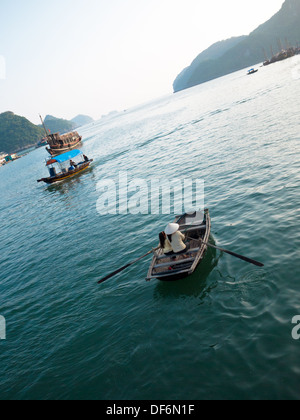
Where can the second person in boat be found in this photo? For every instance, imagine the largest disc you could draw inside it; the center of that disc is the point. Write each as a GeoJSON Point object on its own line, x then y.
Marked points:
{"type": "Point", "coordinates": [165, 244]}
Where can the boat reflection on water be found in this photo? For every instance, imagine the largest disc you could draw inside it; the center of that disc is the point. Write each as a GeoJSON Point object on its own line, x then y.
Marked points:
{"type": "Point", "coordinates": [195, 285]}
{"type": "Point", "coordinates": [64, 187]}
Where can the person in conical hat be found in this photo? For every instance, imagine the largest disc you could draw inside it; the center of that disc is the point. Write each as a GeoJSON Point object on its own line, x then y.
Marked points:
{"type": "Point", "coordinates": [176, 238]}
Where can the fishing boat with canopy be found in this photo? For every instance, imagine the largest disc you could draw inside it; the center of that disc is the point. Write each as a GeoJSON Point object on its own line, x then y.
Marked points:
{"type": "Point", "coordinates": [252, 71]}
{"type": "Point", "coordinates": [66, 166]}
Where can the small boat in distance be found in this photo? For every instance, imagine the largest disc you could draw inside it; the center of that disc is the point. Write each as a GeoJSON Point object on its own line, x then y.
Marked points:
{"type": "Point", "coordinates": [41, 143]}
{"type": "Point", "coordinates": [63, 166]}
{"type": "Point", "coordinates": [197, 230]}
{"type": "Point", "coordinates": [61, 143]}
{"type": "Point", "coordinates": [252, 71]}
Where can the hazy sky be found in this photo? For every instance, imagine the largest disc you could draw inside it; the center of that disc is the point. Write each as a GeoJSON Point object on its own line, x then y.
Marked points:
{"type": "Point", "coordinates": [69, 57]}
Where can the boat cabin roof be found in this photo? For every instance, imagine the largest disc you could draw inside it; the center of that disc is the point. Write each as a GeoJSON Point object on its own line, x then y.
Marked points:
{"type": "Point", "coordinates": [72, 154]}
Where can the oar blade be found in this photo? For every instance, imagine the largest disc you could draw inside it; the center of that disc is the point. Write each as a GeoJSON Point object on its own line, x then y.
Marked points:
{"type": "Point", "coordinates": [242, 257]}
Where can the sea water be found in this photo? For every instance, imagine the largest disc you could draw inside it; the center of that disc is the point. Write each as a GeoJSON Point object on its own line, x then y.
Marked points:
{"type": "Point", "coordinates": [226, 332]}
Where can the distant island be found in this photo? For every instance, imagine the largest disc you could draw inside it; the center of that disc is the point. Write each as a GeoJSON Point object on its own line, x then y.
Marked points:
{"type": "Point", "coordinates": [17, 133]}
{"type": "Point", "coordinates": [81, 120]}
{"type": "Point", "coordinates": [59, 125]}
{"type": "Point", "coordinates": [282, 31]}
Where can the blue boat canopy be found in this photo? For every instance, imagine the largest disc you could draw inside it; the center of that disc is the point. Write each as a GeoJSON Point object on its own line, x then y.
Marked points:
{"type": "Point", "coordinates": [72, 154]}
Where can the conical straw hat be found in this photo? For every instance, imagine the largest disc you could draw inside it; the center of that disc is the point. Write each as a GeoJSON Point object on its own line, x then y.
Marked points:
{"type": "Point", "coordinates": [172, 228]}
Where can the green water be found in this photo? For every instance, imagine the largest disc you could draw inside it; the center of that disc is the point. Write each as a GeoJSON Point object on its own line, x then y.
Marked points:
{"type": "Point", "coordinates": [225, 332]}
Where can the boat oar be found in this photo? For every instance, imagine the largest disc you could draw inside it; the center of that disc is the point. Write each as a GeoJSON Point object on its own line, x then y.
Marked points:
{"type": "Point", "coordinates": [134, 262]}
{"type": "Point", "coordinates": [241, 257]}
{"type": "Point", "coordinates": [126, 266]}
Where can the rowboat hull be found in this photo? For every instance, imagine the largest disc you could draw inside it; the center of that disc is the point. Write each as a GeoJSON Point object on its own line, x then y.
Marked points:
{"type": "Point", "coordinates": [166, 268]}
{"type": "Point", "coordinates": [63, 176]}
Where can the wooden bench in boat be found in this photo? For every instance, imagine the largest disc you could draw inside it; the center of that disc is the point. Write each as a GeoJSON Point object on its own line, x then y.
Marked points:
{"type": "Point", "coordinates": [173, 263]}
{"type": "Point", "coordinates": [191, 251]}
{"type": "Point", "coordinates": [166, 274]}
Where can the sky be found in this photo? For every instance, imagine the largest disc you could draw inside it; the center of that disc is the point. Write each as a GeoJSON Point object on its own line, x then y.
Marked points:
{"type": "Point", "coordinates": [91, 57]}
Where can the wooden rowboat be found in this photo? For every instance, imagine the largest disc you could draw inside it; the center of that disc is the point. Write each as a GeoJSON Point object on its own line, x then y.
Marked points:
{"type": "Point", "coordinates": [197, 230]}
